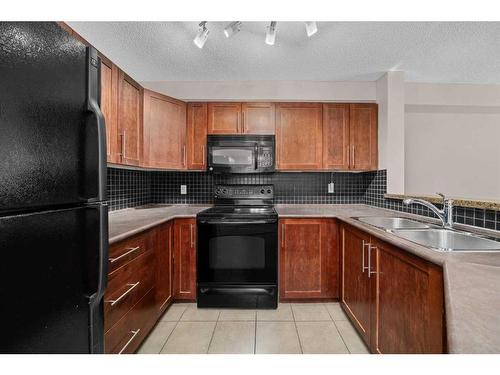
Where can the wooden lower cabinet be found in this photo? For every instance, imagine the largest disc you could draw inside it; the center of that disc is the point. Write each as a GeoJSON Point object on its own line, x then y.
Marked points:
{"type": "Point", "coordinates": [308, 259]}
{"type": "Point", "coordinates": [185, 259]}
{"type": "Point", "coordinates": [393, 298]}
{"type": "Point", "coordinates": [356, 290]}
{"type": "Point", "coordinates": [164, 269]}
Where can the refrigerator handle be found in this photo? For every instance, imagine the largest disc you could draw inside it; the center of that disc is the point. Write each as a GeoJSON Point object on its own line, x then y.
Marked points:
{"type": "Point", "coordinates": [93, 106]}
{"type": "Point", "coordinates": [103, 252]}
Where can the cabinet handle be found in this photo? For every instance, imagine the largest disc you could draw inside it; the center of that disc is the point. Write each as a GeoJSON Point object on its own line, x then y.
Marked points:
{"type": "Point", "coordinates": [123, 144]}
{"type": "Point", "coordinates": [353, 156]}
{"type": "Point", "coordinates": [204, 155]}
{"type": "Point", "coordinates": [130, 250]}
{"type": "Point", "coordinates": [115, 301]}
{"type": "Point", "coordinates": [191, 235]}
{"type": "Point", "coordinates": [363, 268]}
{"type": "Point", "coordinates": [370, 272]}
{"type": "Point", "coordinates": [282, 234]}
{"type": "Point", "coordinates": [184, 157]}
{"type": "Point", "coordinates": [243, 122]}
{"type": "Point", "coordinates": [134, 333]}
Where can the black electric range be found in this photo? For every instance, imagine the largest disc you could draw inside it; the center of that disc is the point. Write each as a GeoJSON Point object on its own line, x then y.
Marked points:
{"type": "Point", "coordinates": [237, 257]}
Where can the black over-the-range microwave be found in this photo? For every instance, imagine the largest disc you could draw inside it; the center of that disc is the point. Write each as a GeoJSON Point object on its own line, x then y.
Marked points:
{"type": "Point", "coordinates": [241, 153]}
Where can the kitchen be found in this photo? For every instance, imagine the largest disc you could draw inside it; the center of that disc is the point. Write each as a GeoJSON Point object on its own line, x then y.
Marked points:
{"type": "Point", "coordinates": [210, 209]}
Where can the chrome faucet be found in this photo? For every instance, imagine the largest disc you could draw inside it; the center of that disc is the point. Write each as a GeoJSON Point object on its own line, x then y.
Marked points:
{"type": "Point", "coordinates": [445, 215]}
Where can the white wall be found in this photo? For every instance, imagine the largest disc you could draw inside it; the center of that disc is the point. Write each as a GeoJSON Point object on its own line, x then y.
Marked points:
{"type": "Point", "coordinates": [362, 91]}
{"type": "Point", "coordinates": [452, 140]}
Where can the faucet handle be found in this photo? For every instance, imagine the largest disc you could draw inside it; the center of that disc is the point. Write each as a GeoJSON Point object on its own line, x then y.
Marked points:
{"type": "Point", "coordinates": [443, 197]}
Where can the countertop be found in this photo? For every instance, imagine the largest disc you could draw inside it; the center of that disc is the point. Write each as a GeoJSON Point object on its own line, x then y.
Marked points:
{"type": "Point", "coordinates": [472, 296]}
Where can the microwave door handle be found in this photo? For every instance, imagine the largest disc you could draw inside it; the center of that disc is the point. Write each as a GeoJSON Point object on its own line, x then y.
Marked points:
{"type": "Point", "coordinates": [256, 157]}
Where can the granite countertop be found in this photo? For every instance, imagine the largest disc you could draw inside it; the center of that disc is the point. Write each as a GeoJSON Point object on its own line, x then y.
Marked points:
{"type": "Point", "coordinates": [472, 297]}
{"type": "Point", "coordinates": [127, 222]}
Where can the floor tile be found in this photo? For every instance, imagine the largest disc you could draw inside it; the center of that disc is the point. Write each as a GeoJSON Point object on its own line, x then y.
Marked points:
{"type": "Point", "coordinates": [277, 337]}
{"type": "Point", "coordinates": [237, 315]}
{"type": "Point", "coordinates": [190, 338]}
{"type": "Point", "coordinates": [157, 338]}
{"type": "Point", "coordinates": [282, 313]}
{"type": "Point", "coordinates": [336, 311]}
{"type": "Point", "coordinates": [173, 313]}
{"type": "Point", "coordinates": [309, 312]}
{"type": "Point", "coordinates": [351, 338]}
{"type": "Point", "coordinates": [320, 338]}
{"type": "Point", "coordinates": [233, 338]}
{"type": "Point", "coordinates": [193, 314]}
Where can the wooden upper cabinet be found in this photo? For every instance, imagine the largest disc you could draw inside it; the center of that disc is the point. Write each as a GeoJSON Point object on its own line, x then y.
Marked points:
{"type": "Point", "coordinates": [355, 295]}
{"type": "Point", "coordinates": [408, 311]}
{"type": "Point", "coordinates": [363, 136]}
{"type": "Point", "coordinates": [257, 118]}
{"type": "Point", "coordinates": [185, 259]}
{"type": "Point", "coordinates": [336, 136]}
{"type": "Point", "coordinates": [109, 92]}
{"type": "Point", "coordinates": [224, 118]}
{"type": "Point", "coordinates": [129, 119]}
{"type": "Point", "coordinates": [308, 258]}
{"type": "Point", "coordinates": [197, 115]}
{"type": "Point", "coordinates": [164, 131]}
{"type": "Point", "coordinates": [299, 136]}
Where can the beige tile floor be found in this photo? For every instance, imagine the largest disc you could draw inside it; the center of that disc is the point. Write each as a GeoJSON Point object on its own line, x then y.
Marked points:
{"type": "Point", "coordinates": [293, 328]}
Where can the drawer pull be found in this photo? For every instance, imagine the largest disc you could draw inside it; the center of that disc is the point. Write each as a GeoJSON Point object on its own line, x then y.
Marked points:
{"type": "Point", "coordinates": [134, 333]}
{"type": "Point", "coordinates": [115, 301]}
{"type": "Point", "coordinates": [130, 250]}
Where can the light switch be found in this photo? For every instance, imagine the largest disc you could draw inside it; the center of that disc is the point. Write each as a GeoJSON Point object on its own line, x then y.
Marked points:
{"type": "Point", "coordinates": [184, 189]}
{"type": "Point", "coordinates": [331, 188]}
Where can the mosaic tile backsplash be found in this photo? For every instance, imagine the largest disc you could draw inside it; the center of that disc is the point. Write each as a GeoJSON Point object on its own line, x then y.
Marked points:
{"type": "Point", "coordinates": [131, 188]}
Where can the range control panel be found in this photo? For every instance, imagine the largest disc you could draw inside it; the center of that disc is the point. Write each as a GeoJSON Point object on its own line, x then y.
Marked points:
{"type": "Point", "coordinates": [244, 191]}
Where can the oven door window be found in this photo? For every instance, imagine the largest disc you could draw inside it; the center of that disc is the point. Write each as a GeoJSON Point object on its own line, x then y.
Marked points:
{"type": "Point", "coordinates": [231, 156]}
{"type": "Point", "coordinates": [237, 254]}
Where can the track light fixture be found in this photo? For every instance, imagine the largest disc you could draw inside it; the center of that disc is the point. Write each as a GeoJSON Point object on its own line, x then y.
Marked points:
{"type": "Point", "coordinates": [202, 35]}
{"type": "Point", "coordinates": [311, 28]}
{"type": "Point", "coordinates": [271, 33]}
{"type": "Point", "coordinates": [232, 29]}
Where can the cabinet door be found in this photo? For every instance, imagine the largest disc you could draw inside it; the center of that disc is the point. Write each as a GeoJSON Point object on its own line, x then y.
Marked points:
{"type": "Point", "coordinates": [308, 259]}
{"type": "Point", "coordinates": [197, 117]}
{"type": "Point", "coordinates": [299, 136]}
{"type": "Point", "coordinates": [257, 118]}
{"type": "Point", "coordinates": [164, 131]}
{"type": "Point", "coordinates": [130, 120]}
{"type": "Point", "coordinates": [408, 303]}
{"type": "Point", "coordinates": [363, 136]}
{"type": "Point", "coordinates": [109, 95]}
{"type": "Point", "coordinates": [185, 259]}
{"type": "Point", "coordinates": [336, 136]}
{"type": "Point", "coordinates": [164, 257]}
{"type": "Point", "coordinates": [355, 290]}
{"type": "Point", "coordinates": [224, 118]}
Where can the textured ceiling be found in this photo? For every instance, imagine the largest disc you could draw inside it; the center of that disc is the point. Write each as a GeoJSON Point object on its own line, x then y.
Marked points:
{"type": "Point", "coordinates": [463, 52]}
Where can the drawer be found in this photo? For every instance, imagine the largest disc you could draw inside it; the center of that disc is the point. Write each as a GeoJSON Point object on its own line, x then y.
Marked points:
{"type": "Point", "coordinates": [126, 250]}
{"type": "Point", "coordinates": [126, 335]}
{"type": "Point", "coordinates": [126, 286]}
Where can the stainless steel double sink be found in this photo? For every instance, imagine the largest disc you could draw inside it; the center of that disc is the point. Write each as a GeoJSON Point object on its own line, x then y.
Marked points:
{"type": "Point", "coordinates": [432, 236]}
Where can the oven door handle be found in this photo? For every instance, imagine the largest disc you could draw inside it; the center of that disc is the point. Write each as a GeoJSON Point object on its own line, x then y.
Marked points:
{"type": "Point", "coordinates": [261, 291]}
{"type": "Point", "coordinates": [225, 222]}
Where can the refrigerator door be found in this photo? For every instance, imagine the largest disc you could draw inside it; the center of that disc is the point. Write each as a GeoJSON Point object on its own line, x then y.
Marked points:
{"type": "Point", "coordinates": [53, 275]}
{"type": "Point", "coordinates": [52, 132]}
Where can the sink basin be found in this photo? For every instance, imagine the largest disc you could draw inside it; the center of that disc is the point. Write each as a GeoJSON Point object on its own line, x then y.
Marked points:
{"type": "Point", "coordinates": [393, 222]}
{"type": "Point", "coordinates": [449, 240]}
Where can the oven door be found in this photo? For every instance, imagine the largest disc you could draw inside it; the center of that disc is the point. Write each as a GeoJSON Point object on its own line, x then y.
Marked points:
{"type": "Point", "coordinates": [233, 158]}
{"type": "Point", "coordinates": [239, 252]}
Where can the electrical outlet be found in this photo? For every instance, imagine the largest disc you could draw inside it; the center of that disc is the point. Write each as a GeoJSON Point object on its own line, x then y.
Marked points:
{"type": "Point", "coordinates": [184, 189]}
{"type": "Point", "coordinates": [331, 188]}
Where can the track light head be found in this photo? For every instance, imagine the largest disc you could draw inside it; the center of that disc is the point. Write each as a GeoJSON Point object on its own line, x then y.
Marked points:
{"type": "Point", "coordinates": [232, 29]}
{"type": "Point", "coordinates": [271, 33]}
{"type": "Point", "coordinates": [202, 35]}
{"type": "Point", "coordinates": [311, 28]}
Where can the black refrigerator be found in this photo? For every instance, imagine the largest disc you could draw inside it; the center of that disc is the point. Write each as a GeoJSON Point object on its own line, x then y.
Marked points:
{"type": "Point", "coordinates": [53, 211]}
